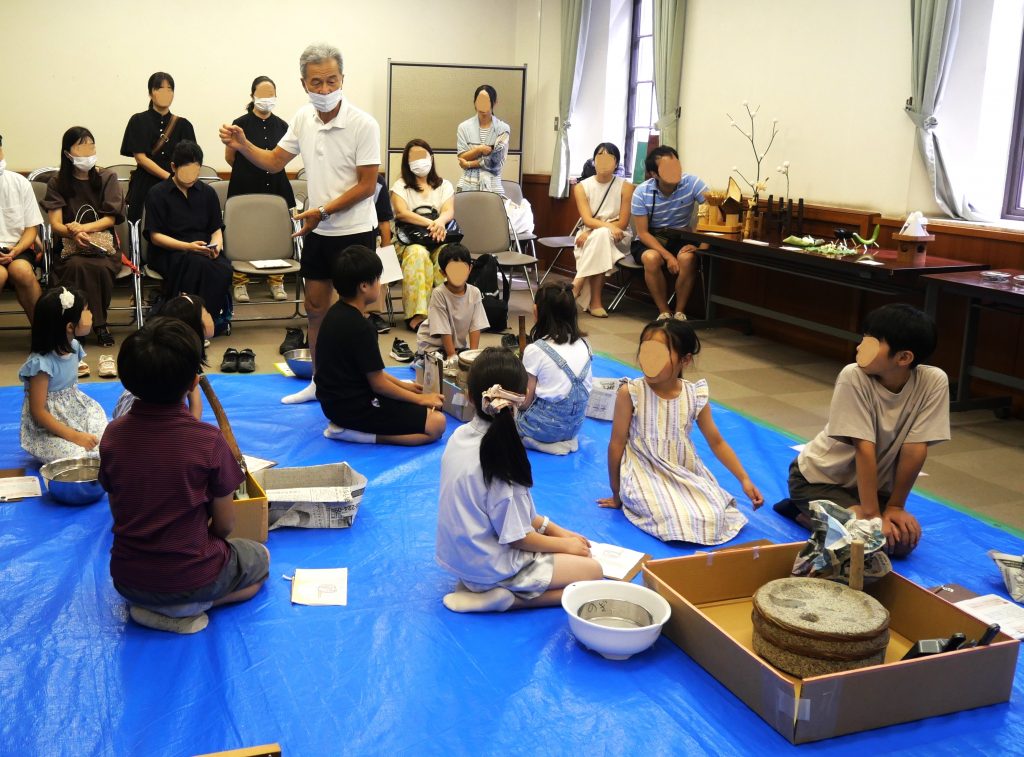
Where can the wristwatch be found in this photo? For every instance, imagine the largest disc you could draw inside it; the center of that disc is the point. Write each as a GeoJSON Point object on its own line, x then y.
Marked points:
{"type": "Point", "coordinates": [324, 215]}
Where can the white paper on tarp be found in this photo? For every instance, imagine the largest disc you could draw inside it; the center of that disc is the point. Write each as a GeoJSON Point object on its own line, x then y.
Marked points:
{"type": "Point", "coordinates": [392, 268]}
{"type": "Point", "coordinates": [316, 496]}
{"type": "Point", "coordinates": [601, 404]}
{"type": "Point", "coordinates": [616, 562]}
{"type": "Point", "coordinates": [19, 487]}
{"type": "Point", "coordinates": [320, 586]}
{"type": "Point", "coordinates": [991, 608]}
{"type": "Point", "coordinates": [276, 263]}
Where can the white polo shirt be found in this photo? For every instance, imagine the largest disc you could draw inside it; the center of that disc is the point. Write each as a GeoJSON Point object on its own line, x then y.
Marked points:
{"type": "Point", "coordinates": [331, 152]}
{"type": "Point", "coordinates": [18, 208]}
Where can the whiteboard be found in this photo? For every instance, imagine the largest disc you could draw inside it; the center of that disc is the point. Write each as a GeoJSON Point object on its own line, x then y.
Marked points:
{"type": "Point", "coordinates": [430, 100]}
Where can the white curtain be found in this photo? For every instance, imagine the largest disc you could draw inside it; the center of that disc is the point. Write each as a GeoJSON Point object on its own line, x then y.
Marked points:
{"type": "Point", "coordinates": [669, 22]}
{"type": "Point", "coordinates": [934, 26]}
{"type": "Point", "coordinates": [575, 22]}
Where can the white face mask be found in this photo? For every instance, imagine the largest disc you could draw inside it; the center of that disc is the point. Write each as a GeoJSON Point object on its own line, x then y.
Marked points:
{"type": "Point", "coordinates": [422, 166]}
{"type": "Point", "coordinates": [325, 103]}
{"type": "Point", "coordinates": [3, 166]}
{"type": "Point", "coordinates": [83, 164]}
{"type": "Point", "coordinates": [265, 104]}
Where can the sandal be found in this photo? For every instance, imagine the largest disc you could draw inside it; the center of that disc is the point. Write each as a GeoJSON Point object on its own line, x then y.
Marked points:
{"type": "Point", "coordinates": [107, 367]}
{"type": "Point", "coordinates": [230, 362]}
{"type": "Point", "coordinates": [104, 337]}
{"type": "Point", "coordinates": [246, 361]}
{"type": "Point", "coordinates": [83, 369]}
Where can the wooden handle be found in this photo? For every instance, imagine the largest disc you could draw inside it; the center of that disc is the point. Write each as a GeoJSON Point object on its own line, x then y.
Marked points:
{"type": "Point", "coordinates": [222, 420]}
{"type": "Point", "coordinates": [857, 565]}
{"type": "Point", "coordinates": [522, 335]}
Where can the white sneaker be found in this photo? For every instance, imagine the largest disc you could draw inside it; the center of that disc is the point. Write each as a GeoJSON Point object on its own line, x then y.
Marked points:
{"type": "Point", "coordinates": [241, 293]}
{"type": "Point", "coordinates": [680, 316]}
{"type": "Point", "coordinates": [664, 316]}
{"type": "Point", "coordinates": [277, 290]}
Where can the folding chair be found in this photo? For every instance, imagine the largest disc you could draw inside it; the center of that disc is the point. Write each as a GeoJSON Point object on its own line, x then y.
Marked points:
{"type": "Point", "coordinates": [301, 173]}
{"type": "Point", "coordinates": [123, 171]}
{"type": "Point", "coordinates": [486, 229]}
{"type": "Point", "coordinates": [259, 227]}
{"type": "Point", "coordinates": [42, 240]}
{"type": "Point", "coordinates": [560, 245]}
{"type": "Point", "coordinates": [301, 192]}
{"type": "Point", "coordinates": [514, 192]}
{"type": "Point", "coordinates": [208, 173]}
{"type": "Point", "coordinates": [221, 188]}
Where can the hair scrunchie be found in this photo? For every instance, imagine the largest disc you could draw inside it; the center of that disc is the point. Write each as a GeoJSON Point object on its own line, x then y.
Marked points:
{"type": "Point", "coordinates": [497, 398]}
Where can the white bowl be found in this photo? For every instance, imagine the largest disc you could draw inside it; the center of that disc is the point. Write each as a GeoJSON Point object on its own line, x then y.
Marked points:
{"type": "Point", "coordinates": [614, 643]}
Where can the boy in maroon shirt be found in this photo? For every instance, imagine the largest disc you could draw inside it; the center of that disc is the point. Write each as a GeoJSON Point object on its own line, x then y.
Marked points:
{"type": "Point", "coordinates": [171, 481]}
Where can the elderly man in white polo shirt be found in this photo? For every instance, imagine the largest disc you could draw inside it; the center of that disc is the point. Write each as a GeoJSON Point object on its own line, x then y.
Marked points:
{"type": "Point", "coordinates": [19, 217]}
{"type": "Point", "coordinates": [340, 146]}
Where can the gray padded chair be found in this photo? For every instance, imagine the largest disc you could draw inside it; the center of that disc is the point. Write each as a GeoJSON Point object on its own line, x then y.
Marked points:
{"type": "Point", "coordinates": [259, 227]}
{"type": "Point", "coordinates": [486, 229]}
{"type": "Point", "coordinates": [221, 188]}
{"type": "Point", "coordinates": [301, 192]}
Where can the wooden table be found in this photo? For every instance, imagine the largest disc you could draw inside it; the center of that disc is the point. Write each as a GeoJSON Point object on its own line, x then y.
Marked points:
{"type": "Point", "coordinates": [980, 294]}
{"type": "Point", "coordinates": [885, 275]}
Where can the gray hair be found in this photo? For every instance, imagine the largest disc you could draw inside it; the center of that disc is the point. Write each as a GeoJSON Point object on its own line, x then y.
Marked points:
{"type": "Point", "coordinates": [318, 54]}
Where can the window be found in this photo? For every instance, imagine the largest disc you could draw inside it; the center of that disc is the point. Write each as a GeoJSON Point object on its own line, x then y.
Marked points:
{"type": "Point", "coordinates": [1013, 199]}
{"type": "Point", "coordinates": [642, 111]}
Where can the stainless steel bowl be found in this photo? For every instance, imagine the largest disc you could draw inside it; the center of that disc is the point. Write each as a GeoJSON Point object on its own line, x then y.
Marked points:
{"type": "Point", "coordinates": [301, 362]}
{"type": "Point", "coordinates": [73, 480]}
{"type": "Point", "coordinates": [615, 613]}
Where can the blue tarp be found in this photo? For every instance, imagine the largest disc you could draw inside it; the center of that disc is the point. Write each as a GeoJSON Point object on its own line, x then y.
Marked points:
{"type": "Point", "coordinates": [394, 672]}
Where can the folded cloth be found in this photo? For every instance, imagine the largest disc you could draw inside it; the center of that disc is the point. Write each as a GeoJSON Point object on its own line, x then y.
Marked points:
{"type": "Point", "coordinates": [827, 552]}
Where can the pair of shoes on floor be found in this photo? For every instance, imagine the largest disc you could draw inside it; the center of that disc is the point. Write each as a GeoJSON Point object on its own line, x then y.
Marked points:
{"type": "Point", "coordinates": [278, 293]}
{"type": "Point", "coordinates": [240, 293]}
{"type": "Point", "coordinates": [107, 366]}
{"type": "Point", "coordinates": [240, 362]}
{"type": "Point", "coordinates": [293, 340]}
{"type": "Point", "coordinates": [401, 352]}
{"type": "Point", "coordinates": [83, 369]}
{"type": "Point", "coordinates": [379, 323]}
{"type": "Point", "coordinates": [104, 337]}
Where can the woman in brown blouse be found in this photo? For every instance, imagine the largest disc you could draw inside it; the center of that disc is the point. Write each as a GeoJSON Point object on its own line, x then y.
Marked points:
{"type": "Point", "coordinates": [82, 200]}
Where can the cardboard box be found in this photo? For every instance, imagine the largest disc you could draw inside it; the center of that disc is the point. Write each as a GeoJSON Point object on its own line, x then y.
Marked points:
{"type": "Point", "coordinates": [432, 379]}
{"type": "Point", "coordinates": [710, 595]}
{"type": "Point", "coordinates": [315, 496]}
{"type": "Point", "coordinates": [251, 515]}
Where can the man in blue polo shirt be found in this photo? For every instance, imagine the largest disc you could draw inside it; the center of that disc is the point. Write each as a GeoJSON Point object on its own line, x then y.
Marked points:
{"type": "Point", "coordinates": [666, 201]}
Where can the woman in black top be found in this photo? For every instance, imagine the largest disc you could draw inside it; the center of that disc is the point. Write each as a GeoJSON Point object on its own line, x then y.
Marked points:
{"type": "Point", "coordinates": [264, 130]}
{"type": "Point", "coordinates": [146, 139]}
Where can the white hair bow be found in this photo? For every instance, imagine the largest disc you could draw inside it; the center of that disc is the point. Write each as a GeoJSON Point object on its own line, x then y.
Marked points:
{"type": "Point", "coordinates": [67, 300]}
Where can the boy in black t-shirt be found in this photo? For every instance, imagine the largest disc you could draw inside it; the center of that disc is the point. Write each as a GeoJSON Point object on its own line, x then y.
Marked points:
{"type": "Point", "coordinates": [363, 402]}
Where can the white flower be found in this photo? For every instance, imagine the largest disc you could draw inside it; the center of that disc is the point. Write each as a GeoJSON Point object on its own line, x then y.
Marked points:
{"type": "Point", "coordinates": [775, 121]}
{"type": "Point", "coordinates": [734, 168]}
{"type": "Point", "coordinates": [745, 103]}
{"type": "Point", "coordinates": [67, 300]}
{"type": "Point", "coordinates": [785, 163]}
{"type": "Point", "coordinates": [779, 169]}
{"type": "Point", "coordinates": [732, 122]}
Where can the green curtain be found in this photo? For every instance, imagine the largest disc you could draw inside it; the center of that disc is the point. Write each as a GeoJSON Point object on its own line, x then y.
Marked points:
{"type": "Point", "coordinates": [575, 22]}
{"type": "Point", "coordinates": [934, 25]}
{"type": "Point", "coordinates": [669, 22]}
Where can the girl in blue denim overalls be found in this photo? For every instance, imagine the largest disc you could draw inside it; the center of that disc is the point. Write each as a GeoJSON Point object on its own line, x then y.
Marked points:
{"type": "Point", "coordinates": [558, 364]}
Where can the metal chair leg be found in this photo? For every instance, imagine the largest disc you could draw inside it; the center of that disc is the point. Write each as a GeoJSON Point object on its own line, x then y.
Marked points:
{"type": "Point", "coordinates": [551, 267]}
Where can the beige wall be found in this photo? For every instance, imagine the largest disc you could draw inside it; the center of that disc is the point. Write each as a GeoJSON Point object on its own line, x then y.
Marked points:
{"type": "Point", "coordinates": [90, 62]}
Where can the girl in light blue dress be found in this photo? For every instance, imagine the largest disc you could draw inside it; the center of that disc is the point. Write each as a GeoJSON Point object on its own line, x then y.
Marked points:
{"type": "Point", "coordinates": [58, 420]}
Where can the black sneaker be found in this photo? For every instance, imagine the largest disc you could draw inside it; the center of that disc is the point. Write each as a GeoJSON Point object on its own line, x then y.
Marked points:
{"type": "Point", "coordinates": [293, 340]}
{"type": "Point", "coordinates": [400, 351]}
{"type": "Point", "coordinates": [379, 323]}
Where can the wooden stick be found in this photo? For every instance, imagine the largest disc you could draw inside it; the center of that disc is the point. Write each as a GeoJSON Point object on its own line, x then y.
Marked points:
{"type": "Point", "coordinates": [857, 565]}
{"type": "Point", "coordinates": [222, 421]}
{"type": "Point", "coordinates": [522, 335]}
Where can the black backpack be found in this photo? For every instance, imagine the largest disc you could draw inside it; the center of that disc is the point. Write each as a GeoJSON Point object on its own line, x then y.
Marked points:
{"type": "Point", "coordinates": [484, 277]}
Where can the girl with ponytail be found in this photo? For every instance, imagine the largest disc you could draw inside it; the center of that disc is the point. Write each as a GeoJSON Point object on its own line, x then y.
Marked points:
{"type": "Point", "coordinates": [489, 534]}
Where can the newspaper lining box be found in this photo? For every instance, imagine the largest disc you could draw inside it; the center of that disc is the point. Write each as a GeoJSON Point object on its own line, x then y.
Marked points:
{"type": "Point", "coordinates": [710, 594]}
{"type": "Point", "coordinates": [455, 402]}
{"type": "Point", "coordinates": [316, 496]}
{"type": "Point", "coordinates": [601, 404]}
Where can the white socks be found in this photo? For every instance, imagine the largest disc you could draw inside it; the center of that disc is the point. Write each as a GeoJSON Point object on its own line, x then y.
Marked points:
{"type": "Point", "coordinates": [336, 432]}
{"type": "Point", "coordinates": [552, 448]}
{"type": "Point", "coordinates": [158, 622]}
{"type": "Point", "coordinates": [497, 599]}
{"type": "Point", "coordinates": [306, 395]}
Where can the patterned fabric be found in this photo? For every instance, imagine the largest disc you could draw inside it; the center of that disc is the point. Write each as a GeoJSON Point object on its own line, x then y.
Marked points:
{"type": "Point", "coordinates": [665, 488]}
{"type": "Point", "coordinates": [73, 408]}
{"type": "Point", "coordinates": [420, 274]}
{"type": "Point", "coordinates": [556, 420]}
{"type": "Point", "coordinates": [487, 178]}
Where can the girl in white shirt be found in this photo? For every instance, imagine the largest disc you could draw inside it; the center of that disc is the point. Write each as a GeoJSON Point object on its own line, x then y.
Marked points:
{"type": "Point", "coordinates": [558, 364]}
{"type": "Point", "coordinates": [489, 534]}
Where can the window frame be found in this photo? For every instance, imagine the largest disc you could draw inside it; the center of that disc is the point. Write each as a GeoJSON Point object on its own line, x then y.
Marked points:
{"type": "Point", "coordinates": [1013, 203]}
{"type": "Point", "coordinates": [634, 57]}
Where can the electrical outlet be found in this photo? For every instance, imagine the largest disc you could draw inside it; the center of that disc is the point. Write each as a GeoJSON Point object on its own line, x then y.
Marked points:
{"type": "Point", "coordinates": [556, 123]}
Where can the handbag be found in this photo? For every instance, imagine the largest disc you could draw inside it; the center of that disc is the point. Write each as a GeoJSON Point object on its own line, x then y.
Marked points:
{"type": "Point", "coordinates": [410, 233]}
{"type": "Point", "coordinates": [101, 243]}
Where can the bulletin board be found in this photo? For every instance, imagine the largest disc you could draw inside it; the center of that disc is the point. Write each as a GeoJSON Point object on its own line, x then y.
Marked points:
{"type": "Point", "coordinates": [430, 100]}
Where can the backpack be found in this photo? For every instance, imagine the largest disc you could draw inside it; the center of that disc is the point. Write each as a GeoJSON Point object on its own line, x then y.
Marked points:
{"type": "Point", "coordinates": [484, 276]}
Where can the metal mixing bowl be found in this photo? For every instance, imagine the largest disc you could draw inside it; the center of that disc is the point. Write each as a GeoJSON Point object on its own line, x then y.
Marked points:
{"type": "Point", "coordinates": [615, 613]}
{"type": "Point", "coordinates": [301, 362]}
{"type": "Point", "coordinates": [73, 480]}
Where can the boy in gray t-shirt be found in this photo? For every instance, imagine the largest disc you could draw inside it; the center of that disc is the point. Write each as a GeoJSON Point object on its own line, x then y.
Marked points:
{"type": "Point", "coordinates": [886, 410]}
{"type": "Point", "coordinates": [455, 315]}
